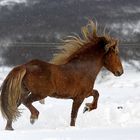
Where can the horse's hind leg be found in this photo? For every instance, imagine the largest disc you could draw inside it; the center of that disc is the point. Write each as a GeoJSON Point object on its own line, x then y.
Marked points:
{"type": "Point", "coordinates": [93, 105]}
{"type": "Point", "coordinates": [34, 112]}
{"type": "Point", "coordinates": [28, 103]}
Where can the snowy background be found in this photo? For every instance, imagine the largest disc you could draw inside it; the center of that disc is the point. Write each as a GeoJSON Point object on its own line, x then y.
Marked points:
{"type": "Point", "coordinates": [32, 28]}
{"type": "Point", "coordinates": [117, 115]}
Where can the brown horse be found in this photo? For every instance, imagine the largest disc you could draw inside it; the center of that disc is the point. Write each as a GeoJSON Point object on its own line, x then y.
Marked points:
{"type": "Point", "coordinates": [70, 75]}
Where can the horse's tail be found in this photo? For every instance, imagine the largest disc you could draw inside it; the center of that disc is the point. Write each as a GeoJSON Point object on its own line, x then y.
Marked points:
{"type": "Point", "coordinates": [11, 93]}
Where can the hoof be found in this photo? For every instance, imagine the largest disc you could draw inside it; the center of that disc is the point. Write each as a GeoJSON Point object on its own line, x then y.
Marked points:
{"type": "Point", "coordinates": [86, 108]}
{"type": "Point", "coordinates": [9, 128]}
{"type": "Point", "coordinates": [33, 120]}
{"type": "Point", "coordinates": [72, 124]}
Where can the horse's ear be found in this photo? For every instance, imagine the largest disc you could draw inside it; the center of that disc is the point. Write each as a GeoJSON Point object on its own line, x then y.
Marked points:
{"type": "Point", "coordinates": [107, 42]}
{"type": "Point", "coordinates": [106, 47]}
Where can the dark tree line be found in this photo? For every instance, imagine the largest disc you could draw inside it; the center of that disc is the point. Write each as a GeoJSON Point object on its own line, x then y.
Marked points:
{"type": "Point", "coordinates": [30, 26]}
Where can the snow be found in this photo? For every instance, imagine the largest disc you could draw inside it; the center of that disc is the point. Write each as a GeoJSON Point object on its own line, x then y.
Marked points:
{"type": "Point", "coordinates": [127, 29]}
{"type": "Point", "coordinates": [7, 2]}
{"type": "Point", "coordinates": [131, 10]}
{"type": "Point", "coordinates": [117, 115]}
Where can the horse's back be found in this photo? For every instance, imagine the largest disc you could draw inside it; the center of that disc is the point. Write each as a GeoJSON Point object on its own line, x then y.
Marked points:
{"type": "Point", "coordinates": [36, 62]}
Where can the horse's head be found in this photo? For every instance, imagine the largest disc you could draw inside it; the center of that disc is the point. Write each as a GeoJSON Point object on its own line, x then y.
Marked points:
{"type": "Point", "coordinates": [111, 60]}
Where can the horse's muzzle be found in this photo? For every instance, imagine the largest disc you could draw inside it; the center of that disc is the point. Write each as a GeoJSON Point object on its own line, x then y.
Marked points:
{"type": "Point", "coordinates": [118, 73]}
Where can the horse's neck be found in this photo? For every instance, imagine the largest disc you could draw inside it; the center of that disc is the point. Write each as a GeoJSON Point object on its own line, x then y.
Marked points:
{"type": "Point", "coordinates": [88, 65]}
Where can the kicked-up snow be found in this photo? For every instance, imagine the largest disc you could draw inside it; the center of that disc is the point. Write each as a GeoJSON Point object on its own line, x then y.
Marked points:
{"type": "Point", "coordinates": [116, 118]}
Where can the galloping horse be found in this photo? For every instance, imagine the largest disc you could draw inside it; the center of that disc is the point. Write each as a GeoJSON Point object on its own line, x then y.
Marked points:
{"type": "Point", "coordinates": [70, 75]}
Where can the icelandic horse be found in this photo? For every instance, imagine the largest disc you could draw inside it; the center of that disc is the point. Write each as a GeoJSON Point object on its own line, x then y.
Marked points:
{"type": "Point", "coordinates": [70, 75]}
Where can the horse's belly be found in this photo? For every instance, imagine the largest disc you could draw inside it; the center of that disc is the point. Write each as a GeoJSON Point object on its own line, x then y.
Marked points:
{"type": "Point", "coordinates": [65, 92]}
{"type": "Point", "coordinates": [62, 96]}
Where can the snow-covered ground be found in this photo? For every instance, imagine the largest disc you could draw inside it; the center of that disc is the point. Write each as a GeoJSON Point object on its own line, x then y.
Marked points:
{"type": "Point", "coordinates": [116, 118]}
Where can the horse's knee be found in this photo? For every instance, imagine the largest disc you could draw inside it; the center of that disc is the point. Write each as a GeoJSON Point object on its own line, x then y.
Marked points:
{"type": "Point", "coordinates": [95, 93]}
{"type": "Point", "coordinates": [93, 105]}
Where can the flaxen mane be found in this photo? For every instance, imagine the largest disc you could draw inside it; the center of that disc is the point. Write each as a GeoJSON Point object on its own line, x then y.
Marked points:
{"type": "Point", "coordinates": [73, 44]}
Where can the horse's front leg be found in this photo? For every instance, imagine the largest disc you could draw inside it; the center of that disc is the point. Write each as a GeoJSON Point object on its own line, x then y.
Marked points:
{"type": "Point", "coordinates": [93, 105]}
{"type": "Point", "coordinates": [75, 107]}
